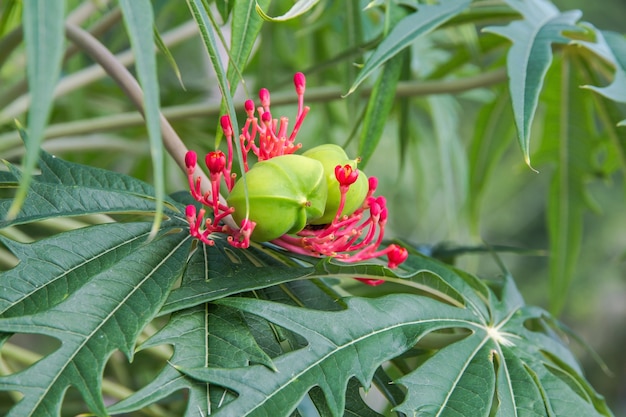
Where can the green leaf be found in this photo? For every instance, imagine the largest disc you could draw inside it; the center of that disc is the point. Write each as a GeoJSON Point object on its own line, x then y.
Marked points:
{"type": "Point", "coordinates": [492, 129]}
{"type": "Point", "coordinates": [199, 13]}
{"type": "Point", "coordinates": [530, 57]}
{"type": "Point", "coordinates": [456, 371]}
{"type": "Point", "coordinates": [422, 22]}
{"type": "Point", "coordinates": [381, 100]}
{"type": "Point", "coordinates": [299, 8]}
{"type": "Point", "coordinates": [68, 189]}
{"type": "Point", "coordinates": [332, 350]}
{"type": "Point", "coordinates": [168, 56]}
{"type": "Point", "coordinates": [57, 266]}
{"type": "Point", "coordinates": [206, 335]}
{"type": "Point", "coordinates": [139, 20]}
{"type": "Point", "coordinates": [224, 271]}
{"type": "Point", "coordinates": [569, 142]}
{"type": "Point", "coordinates": [245, 30]}
{"type": "Point", "coordinates": [487, 356]}
{"type": "Point", "coordinates": [225, 7]}
{"type": "Point", "coordinates": [10, 12]}
{"type": "Point", "coordinates": [43, 36]}
{"type": "Point", "coordinates": [105, 314]}
{"type": "Point", "coordinates": [612, 47]}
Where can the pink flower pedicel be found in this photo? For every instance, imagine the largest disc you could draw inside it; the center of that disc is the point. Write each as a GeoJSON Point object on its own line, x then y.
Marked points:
{"type": "Point", "coordinates": [353, 224]}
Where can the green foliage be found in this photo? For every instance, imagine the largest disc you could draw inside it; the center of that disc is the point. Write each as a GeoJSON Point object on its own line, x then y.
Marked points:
{"type": "Point", "coordinates": [530, 56]}
{"type": "Point", "coordinates": [43, 35]}
{"type": "Point", "coordinates": [139, 19]}
{"type": "Point", "coordinates": [142, 319]}
{"type": "Point", "coordinates": [97, 298]}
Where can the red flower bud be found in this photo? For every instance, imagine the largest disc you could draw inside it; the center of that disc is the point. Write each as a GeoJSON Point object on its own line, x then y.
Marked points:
{"type": "Point", "coordinates": [226, 126]}
{"type": "Point", "coordinates": [264, 96]}
{"type": "Point", "coordinates": [190, 212]}
{"type": "Point", "coordinates": [249, 106]}
{"type": "Point", "coordinates": [191, 158]}
{"type": "Point", "coordinates": [300, 82]}
{"type": "Point", "coordinates": [396, 255]}
{"type": "Point", "coordinates": [373, 183]}
{"type": "Point", "coordinates": [372, 282]}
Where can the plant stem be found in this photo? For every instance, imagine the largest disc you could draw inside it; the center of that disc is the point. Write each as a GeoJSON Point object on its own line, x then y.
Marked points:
{"type": "Point", "coordinates": [319, 94]}
{"type": "Point", "coordinates": [120, 74]}
{"type": "Point", "coordinates": [77, 17]}
{"type": "Point", "coordinates": [86, 75]}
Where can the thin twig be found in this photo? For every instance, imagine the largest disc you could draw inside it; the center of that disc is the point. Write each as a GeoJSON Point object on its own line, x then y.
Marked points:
{"type": "Point", "coordinates": [314, 94]}
{"type": "Point", "coordinates": [87, 75]}
{"type": "Point", "coordinates": [120, 74]}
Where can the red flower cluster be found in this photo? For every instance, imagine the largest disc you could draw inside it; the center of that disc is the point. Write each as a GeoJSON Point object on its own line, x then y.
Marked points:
{"type": "Point", "coordinates": [350, 238]}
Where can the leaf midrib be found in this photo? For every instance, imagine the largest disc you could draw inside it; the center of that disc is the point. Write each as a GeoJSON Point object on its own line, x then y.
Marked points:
{"type": "Point", "coordinates": [89, 336]}
{"type": "Point", "coordinates": [68, 271]}
{"type": "Point", "coordinates": [351, 343]}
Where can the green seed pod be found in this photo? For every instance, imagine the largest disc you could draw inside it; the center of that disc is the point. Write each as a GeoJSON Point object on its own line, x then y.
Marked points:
{"type": "Point", "coordinates": [330, 156]}
{"type": "Point", "coordinates": [285, 194]}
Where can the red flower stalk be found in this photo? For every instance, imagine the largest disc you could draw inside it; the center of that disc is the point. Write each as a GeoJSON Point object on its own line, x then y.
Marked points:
{"type": "Point", "coordinates": [350, 238]}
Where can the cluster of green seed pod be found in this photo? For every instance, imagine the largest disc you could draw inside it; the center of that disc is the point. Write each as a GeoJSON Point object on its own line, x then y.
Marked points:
{"type": "Point", "coordinates": [286, 193]}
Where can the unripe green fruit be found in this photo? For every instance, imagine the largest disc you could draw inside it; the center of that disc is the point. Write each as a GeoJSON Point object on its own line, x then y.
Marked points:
{"type": "Point", "coordinates": [285, 194]}
{"type": "Point", "coordinates": [330, 156]}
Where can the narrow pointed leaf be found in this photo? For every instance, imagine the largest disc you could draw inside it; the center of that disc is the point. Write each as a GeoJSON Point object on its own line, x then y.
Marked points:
{"type": "Point", "coordinates": [168, 55]}
{"type": "Point", "coordinates": [530, 57]}
{"type": "Point", "coordinates": [569, 142]}
{"type": "Point", "coordinates": [245, 30]}
{"type": "Point", "coordinates": [299, 8]}
{"type": "Point", "coordinates": [381, 100]}
{"type": "Point", "coordinates": [139, 20]}
{"type": "Point", "coordinates": [494, 129]}
{"type": "Point", "coordinates": [427, 18]}
{"type": "Point", "coordinates": [43, 36]}
{"type": "Point", "coordinates": [199, 13]}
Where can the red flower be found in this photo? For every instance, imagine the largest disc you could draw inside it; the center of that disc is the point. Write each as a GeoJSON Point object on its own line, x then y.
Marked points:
{"type": "Point", "coordinates": [216, 162]}
{"type": "Point", "coordinates": [349, 238]}
{"type": "Point", "coordinates": [396, 255]}
{"type": "Point", "coordinates": [346, 175]}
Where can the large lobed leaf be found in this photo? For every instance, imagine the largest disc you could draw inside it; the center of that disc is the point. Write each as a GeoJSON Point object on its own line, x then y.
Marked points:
{"type": "Point", "coordinates": [611, 46]}
{"type": "Point", "coordinates": [286, 336]}
{"type": "Point", "coordinates": [94, 289]}
{"type": "Point", "coordinates": [106, 313]}
{"type": "Point", "coordinates": [493, 362]}
{"type": "Point", "coordinates": [67, 189]}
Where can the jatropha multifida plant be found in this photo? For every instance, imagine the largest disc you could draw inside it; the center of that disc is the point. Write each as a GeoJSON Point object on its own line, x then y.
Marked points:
{"type": "Point", "coordinates": [316, 203]}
